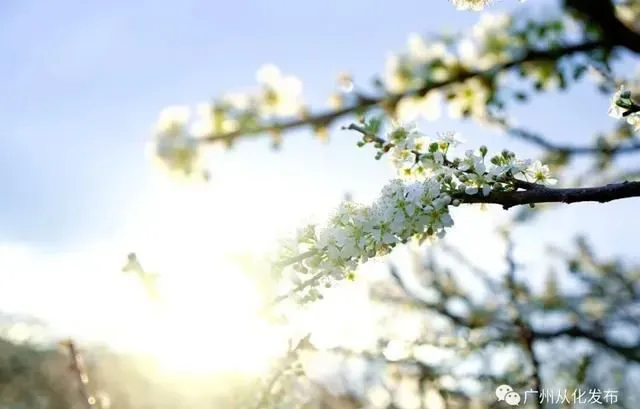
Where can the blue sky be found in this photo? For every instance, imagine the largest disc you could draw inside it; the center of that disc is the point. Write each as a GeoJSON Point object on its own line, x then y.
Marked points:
{"type": "Point", "coordinates": [82, 84]}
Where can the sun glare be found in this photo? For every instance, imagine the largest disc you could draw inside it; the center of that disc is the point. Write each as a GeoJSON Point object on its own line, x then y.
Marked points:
{"type": "Point", "coordinates": [207, 318]}
{"type": "Point", "coordinates": [213, 326]}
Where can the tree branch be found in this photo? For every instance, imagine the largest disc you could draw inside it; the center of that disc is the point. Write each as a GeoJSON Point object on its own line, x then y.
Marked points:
{"type": "Point", "coordinates": [367, 102]}
{"type": "Point", "coordinates": [526, 338]}
{"type": "Point", "coordinates": [437, 307]}
{"type": "Point", "coordinates": [601, 194]}
{"type": "Point", "coordinates": [534, 138]}
{"type": "Point", "coordinates": [630, 352]}
{"type": "Point", "coordinates": [77, 367]}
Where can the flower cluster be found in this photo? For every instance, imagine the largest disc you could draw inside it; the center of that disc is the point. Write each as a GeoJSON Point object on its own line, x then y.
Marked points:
{"type": "Point", "coordinates": [175, 145]}
{"type": "Point", "coordinates": [180, 129]}
{"type": "Point", "coordinates": [411, 70]}
{"type": "Point", "coordinates": [280, 94]}
{"type": "Point", "coordinates": [416, 205]}
{"type": "Point", "coordinates": [491, 41]}
{"type": "Point", "coordinates": [623, 106]}
{"type": "Point", "coordinates": [475, 5]}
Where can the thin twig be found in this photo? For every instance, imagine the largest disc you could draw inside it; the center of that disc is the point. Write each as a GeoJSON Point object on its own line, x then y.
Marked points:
{"type": "Point", "coordinates": [298, 288]}
{"type": "Point", "coordinates": [292, 355]}
{"type": "Point", "coordinates": [295, 259]}
{"type": "Point", "coordinates": [77, 367]}
{"type": "Point", "coordinates": [526, 337]}
{"type": "Point", "coordinates": [540, 141]}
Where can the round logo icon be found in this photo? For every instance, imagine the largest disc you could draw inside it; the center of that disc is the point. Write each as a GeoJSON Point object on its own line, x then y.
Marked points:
{"type": "Point", "coordinates": [506, 393]}
{"type": "Point", "coordinates": [502, 390]}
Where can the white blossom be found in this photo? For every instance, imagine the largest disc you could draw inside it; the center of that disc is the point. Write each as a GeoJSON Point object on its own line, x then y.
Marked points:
{"type": "Point", "coordinates": [492, 25]}
{"type": "Point", "coordinates": [281, 95]}
{"type": "Point", "coordinates": [174, 146]}
{"type": "Point", "coordinates": [475, 5]}
{"type": "Point", "coordinates": [451, 138]}
{"type": "Point", "coordinates": [621, 102]}
{"type": "Point", "coordinates": [540, 173]}
{"type": "Point", "coordinates": [428, 107]}
{"type": "Point", "coordinates": [399, 73]}
{"type": "Point", "coordinates": [468, 97]}
{"type": "Point", "coordinates": [421, 52]}
{"type": "Point", "coordinates": [208, 123]}
{"type": "Point", "coordinates": [490, 42]}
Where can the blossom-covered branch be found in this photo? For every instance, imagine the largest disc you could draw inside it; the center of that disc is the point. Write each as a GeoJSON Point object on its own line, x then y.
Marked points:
{"type": "Point", "coordinates": [416, 204]}
{"type": "Point", "coordinates": [411, 81]}
{"type": "Point", "coordinates": [365, 102]}
{"type": "Point", "coordinates": [468, 76]}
